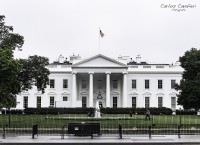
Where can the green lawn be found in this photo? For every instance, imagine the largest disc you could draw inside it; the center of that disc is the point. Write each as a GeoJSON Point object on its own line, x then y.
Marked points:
{"type": "Point", "coordinates": [60, 120]}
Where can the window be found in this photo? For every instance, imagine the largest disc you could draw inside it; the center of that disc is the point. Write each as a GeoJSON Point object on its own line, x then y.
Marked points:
{"type": "Point", "coordinates": [25, 101]}
{"type": "Point", "coordinates": [52, 83]}
{"type": "Point", "coordinates": [133, 84]}
{"type": "Point", "coordinates": [84, 100]}
{"type": "Point", "coordinates": [160, 102]}
{"type": "Point", "coordinates": [65, 98]}
{"type": "Point", "coordinates": [133, 102]}
{"type": "Point", "coordinates": [51, 101]}
{"type": "Point", "coordinates": [115, 84]}
{"type": "Point", "coordinates": [65, 83]}
{"type": "Point", "coordinates": [173, 102]}
{"type": "Point", "coordinates": [146, 84]}
{"type": "Point", "coordinates": [84, 84]}
{"type": "Point", "coordinates": [38, 102]}
{"type": "Point", "coordinates": [173, 82]}
{"type": "Point", "coordinates": [114, 102]}
{"type": "Point", "coordinates": [160, 84]}
{"type": "Point", "coordinates": [146, 102]}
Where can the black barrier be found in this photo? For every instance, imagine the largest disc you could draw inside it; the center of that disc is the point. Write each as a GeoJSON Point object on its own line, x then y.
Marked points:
{"type": "Point", "coordinates": [84, 129]}
{"type": "Point", "coordinates": [34, 130]}
{"type": "Point", "coordinates": [120, 131]}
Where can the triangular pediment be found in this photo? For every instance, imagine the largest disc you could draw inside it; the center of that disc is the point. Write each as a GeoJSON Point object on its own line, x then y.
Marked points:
{"type": "Point", "coordinates": [99, 61]}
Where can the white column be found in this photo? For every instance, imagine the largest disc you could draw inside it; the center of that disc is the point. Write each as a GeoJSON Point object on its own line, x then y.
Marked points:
{"type": "Point", "coordinates": [91, 90]}
{"type": "Point", "coordinates": [74, 95]}
{"type": "Point", "coordinates": [107, 89]}
{"type": "Point", "coordinates": [125, 94]}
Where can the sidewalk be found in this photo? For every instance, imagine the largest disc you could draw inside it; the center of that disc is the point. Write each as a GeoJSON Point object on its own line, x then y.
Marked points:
{"type": "Point", "coordinates": [103, 139]}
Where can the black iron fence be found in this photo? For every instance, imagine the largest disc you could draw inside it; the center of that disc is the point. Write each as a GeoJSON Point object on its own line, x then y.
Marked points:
{"type": "Point", "coordinates": [126, 129]}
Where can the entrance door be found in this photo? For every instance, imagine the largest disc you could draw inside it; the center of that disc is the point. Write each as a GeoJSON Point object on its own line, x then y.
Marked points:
{"type": "Point", "coordinates": [84, 101]}
{"type": "Point", "coordinates": [100, 104]}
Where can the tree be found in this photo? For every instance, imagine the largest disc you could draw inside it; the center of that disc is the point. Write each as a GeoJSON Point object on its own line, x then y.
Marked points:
{"type": "Point", "coordinates": [189, 87]}
{"type": "Point", "coordinates": [7, 38]}
{"type": "Point", "coordinates": [9, 81]}
{"type": "Point", "coordinates": [34, 72]}
{"type": "Point", "coordinates": [17, 75]}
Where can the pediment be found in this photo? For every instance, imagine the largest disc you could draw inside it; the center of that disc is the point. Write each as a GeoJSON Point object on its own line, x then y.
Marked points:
{"type": "Point", "coordinates": [38, 93]}
{"type": "Point", "coordinates": [160, 94]}
{"type": "Point", "coordinates": [99, 61]}
{"type": "Point", "coordinates": [173, 94]}
{"type": "Point", "coordinates": [134, 94]}
{"type": "Point", "coordinates": [146, 94]}
{"type": "Point", "coordinates": [25, 93]}
{"type": "Point", "coordinates": [65, 93]}
{"type": "Point", "coordinates": [51, 93]}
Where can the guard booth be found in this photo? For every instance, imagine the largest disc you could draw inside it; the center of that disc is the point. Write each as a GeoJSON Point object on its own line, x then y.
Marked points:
{"type": "Point", "coordinates": [84, 129]}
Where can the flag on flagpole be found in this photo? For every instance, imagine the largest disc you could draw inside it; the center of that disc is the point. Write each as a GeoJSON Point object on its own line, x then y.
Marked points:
{"type": "Point", "coordinates": [101, 34]}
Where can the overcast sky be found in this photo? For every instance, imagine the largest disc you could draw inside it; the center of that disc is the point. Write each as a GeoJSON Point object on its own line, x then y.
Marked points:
{"type": "Point", "coordinates": [131, 27]}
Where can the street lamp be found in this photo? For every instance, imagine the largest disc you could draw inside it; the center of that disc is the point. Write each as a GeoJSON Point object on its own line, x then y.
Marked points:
{"type": "Point", "coordinates": [180, 116]}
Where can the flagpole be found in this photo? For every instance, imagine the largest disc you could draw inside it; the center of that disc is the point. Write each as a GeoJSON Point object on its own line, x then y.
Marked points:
{"type": "Point", "coordinates": [99, 40]}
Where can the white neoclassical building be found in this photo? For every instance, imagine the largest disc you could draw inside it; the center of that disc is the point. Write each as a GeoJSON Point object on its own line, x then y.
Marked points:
{"type": "Point", "coordinates": [119, 82]}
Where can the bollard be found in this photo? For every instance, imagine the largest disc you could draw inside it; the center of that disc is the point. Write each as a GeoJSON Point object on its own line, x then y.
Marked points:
{"type": "Point", "coordinates": [120, 131]}
{"type": "Point", "coordinates": [149, 131]}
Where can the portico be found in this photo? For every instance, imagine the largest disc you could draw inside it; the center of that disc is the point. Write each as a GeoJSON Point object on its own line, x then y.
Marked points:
{"type": "Point", "coordinates": [99, 79]}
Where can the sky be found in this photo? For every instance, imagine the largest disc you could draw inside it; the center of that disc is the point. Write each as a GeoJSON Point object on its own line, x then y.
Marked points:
{"type": "Point", "coordinates": [160, 31]}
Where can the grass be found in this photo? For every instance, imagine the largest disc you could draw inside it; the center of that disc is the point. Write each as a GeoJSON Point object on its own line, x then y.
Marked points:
{"type": "Point", "coordinates": [62, 119]}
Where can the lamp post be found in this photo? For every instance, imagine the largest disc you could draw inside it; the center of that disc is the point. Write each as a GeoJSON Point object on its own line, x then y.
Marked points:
{"type": "Point", "coordinates": [180, 116]}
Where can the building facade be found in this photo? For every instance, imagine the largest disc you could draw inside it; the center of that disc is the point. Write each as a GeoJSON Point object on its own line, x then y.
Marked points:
{"type": "Point", "coordinates": [118, 82]}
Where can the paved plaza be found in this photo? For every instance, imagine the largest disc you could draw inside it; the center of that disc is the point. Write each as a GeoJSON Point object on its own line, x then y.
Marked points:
{"type": "Point", "coordinates": [103, 139]}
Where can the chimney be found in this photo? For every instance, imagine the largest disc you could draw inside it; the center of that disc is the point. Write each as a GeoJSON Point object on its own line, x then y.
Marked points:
{"type": "Point", "coordinates": [61, 59]}
{"type": "Point", "coordinates": [138, 59]}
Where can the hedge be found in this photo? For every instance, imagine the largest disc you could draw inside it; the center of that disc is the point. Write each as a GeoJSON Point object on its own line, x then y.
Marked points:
{"type": "Point", "coordinates": [186, 112]}
{"type": "Point", "coordinates": [90, 111]}
{"type": "Point", "coordinates": [142, 111]}
{"type": "Point", "coordinates": [58, 110]}
{"type": "Point", "coordinates": [16, 111]}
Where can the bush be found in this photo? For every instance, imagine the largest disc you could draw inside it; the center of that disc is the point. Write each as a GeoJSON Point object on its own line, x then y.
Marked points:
{"type": "Point", "coordinates": [16, 111]}
{"type": "Point", "coordinates": [90, 111]}
{"type": "Point", "coordinates": [58, 110]}
{"type": "Point", "coordinates": [141, 111]}
{"type": "Point", "coordinates": [186, 112]}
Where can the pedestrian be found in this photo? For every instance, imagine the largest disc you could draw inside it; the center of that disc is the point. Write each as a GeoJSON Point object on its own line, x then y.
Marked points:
{"type": "Point", "coordinates": [147, 115]}
{"type": "Point", "coordinates": [130, 113]}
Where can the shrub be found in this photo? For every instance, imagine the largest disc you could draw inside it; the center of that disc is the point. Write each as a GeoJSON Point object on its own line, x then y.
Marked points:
{"type": "Point", "coordinates": [186, 112]}
{"type": "Point", "coordinates": [58, 110]}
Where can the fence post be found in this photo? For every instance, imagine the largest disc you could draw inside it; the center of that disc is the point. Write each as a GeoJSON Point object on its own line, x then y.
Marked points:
{"type": "Point", "coordinates": [179, 131]}
{"type": "Point", "coordinates": [91, 130]}
{"type": "Point", "coordinates": [4, 132]}
{"type": "Point", "coordinates": [149, 131]}
{"type": "Point", "coordinates": [120, 131]}
{"type": "Point", "coordinates": [63, 129]}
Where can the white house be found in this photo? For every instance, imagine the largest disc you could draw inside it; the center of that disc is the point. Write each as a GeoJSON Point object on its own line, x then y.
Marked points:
{"type": "Point", "coordinates": [118, 82]}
